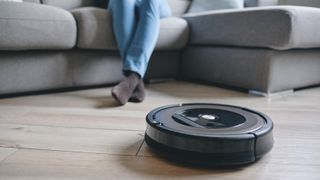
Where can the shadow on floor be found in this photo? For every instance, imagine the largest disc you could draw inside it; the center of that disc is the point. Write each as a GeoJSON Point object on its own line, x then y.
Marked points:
{"type": "Point", "coordinates": [159, 166]}
{"type": "Point", "coordinates": [189, 90]}
{"type": "Point", "coordinates": [104, 102]}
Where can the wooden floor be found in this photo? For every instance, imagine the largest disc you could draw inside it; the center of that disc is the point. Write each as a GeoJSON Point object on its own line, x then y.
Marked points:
{"type": "Point", "coordinates": [83, 135]}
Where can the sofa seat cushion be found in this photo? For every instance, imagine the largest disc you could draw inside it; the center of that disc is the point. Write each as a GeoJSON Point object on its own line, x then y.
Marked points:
{"type": "Point", "coordinates": [95, 30]}
{"type": "Point", "coordinates": [28, 26]}
{"type": "Point", "coordinates": [276, 27]}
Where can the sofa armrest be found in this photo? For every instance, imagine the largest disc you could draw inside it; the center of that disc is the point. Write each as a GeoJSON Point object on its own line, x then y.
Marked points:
{"type": "Point", "coordinates": [276, 27]}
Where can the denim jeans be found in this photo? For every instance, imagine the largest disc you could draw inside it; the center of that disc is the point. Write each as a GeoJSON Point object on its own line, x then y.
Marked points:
{"type": "Point", "coordinates": [136, 26]}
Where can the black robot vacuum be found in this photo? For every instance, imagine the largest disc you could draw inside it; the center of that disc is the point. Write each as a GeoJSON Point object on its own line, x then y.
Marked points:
{"type": "Point", "coordinates": [209, 134]}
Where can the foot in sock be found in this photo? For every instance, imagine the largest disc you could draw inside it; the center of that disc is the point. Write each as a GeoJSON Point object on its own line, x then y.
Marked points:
{"type": "Point", "coordinates": [138, 94]}
{"type": "Point", "coordinates": [124, 90]}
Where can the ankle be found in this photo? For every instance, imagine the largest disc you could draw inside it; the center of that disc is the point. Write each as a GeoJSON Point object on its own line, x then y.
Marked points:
{"type": "Point", "coordinates": [132, 74]}
{"type": "Point", "coordinates": [134, 78]}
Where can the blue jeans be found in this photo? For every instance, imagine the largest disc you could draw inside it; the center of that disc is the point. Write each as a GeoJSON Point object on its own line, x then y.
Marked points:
{"type": "Point", "coordinates": [136, 26]}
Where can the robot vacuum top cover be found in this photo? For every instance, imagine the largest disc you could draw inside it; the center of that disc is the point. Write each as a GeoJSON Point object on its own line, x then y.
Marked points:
{"type": "Point", "coordinates": [209, 134]}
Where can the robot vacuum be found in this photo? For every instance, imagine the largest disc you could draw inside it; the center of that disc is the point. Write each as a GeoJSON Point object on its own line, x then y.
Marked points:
{"type": "Point", "coordinates": [209, 134]}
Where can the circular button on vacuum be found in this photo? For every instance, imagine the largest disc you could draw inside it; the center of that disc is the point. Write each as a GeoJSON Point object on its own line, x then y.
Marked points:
{"type": "Point", "coordinates": [209, 134]}
{"type": "Point", "coordinates": [208, 117]}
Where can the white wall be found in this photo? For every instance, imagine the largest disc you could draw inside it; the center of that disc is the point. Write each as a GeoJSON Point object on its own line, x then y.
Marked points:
{"type": "Point", "coordinates": [312, 3]}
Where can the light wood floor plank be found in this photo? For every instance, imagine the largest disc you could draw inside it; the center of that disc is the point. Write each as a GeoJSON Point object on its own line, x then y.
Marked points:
{"type": "Point", "coordinates": [30, 164]}
{"type": "Point", "coordinates": [84, 135]}
{"type": "Point", "coordinates": [70, 139]}
{"type": "Point", "coordinates": [6, 152]}
{"type": "Point", "coordinates": [109, 120]}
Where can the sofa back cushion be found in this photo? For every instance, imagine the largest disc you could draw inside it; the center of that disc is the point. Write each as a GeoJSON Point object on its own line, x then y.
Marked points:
{"type": "Point", "coordinates": [310, 3]}
{"type": "Point", "coordinates": [254, 3]}
{"type": "Point", "coordinates": [11, 1]}
{"type": "Point", "coordinates": [178, 6]}
{"type": "Point", "coordinates": [208, 5]}
{"type": "Point", "coordinates": [72, 4]}
{"type": "Point", "coordinates": [32, 1]}
{"type": "Point", "coordinates": [31, 26]}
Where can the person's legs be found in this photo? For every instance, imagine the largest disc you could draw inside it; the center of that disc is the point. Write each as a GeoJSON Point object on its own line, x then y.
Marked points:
{"type": "Point", "coordinates": [145, 37]}
{"type": "Point", "coordinates": [136, 45]}
{"type": "Point", "coordinates": [124, 22]}
{"type": "Point", "coordinates": [124, 25]}
{"type": "Point", "coordinates": [164, 10]}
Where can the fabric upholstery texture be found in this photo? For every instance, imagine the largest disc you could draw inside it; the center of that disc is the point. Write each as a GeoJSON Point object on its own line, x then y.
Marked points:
{"type": "Point", "coordinates": [27, 71]}
{"type": "Point", "coordinates": [19, 1]}
{"type": "Point", "coordinates": [310, 3]}
{"type": "Point", "coordinates": [27, 26]}
{"type": "Point", "coordinates": [276, 27]}
{"type": "Point", "coordinates": [33, 71]}
{"type": "Point", "coordinates": [95, 30]}
{"type": "Point", "coordinates": [32, 1]}
{"type": "Point", "coordinates": [70, 4]}
{"type": "Point", "coordinates": [105, 67]}
{"type": "Point", "coordinates": [264, 70]}
{"type": "Point", "coordinates": [179, 7]}
{"type": "Point", "coordinates": [208, 5]}
{"type": "Point", "coordinates": [255, 3]}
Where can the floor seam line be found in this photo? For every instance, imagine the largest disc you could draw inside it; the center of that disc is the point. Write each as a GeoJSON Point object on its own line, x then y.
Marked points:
{"type": "Point", "coordinates": [10, 155]}
{"type": "Point", "coordinates": [140, 147]}
{"type": "Point", "coordinates": [132, 130]}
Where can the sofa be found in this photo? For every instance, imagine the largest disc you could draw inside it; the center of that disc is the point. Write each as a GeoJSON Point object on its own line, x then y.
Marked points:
{"type": "Point", "coordinates": [58, 45]}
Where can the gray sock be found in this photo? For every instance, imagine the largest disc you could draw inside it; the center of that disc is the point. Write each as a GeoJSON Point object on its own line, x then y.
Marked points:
{"type": "Point", "coordinates": [138, 94]}
{"type": "Point", "coordinates": [124, 90]}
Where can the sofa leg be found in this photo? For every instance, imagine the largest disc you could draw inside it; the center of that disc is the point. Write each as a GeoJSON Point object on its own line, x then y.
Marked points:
{"type": "Point", "coordinates": [269, 95]}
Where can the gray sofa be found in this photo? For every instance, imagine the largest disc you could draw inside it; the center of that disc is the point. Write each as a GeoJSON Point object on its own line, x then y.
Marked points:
{"type": "Point", "coordinates": [58, 44]}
